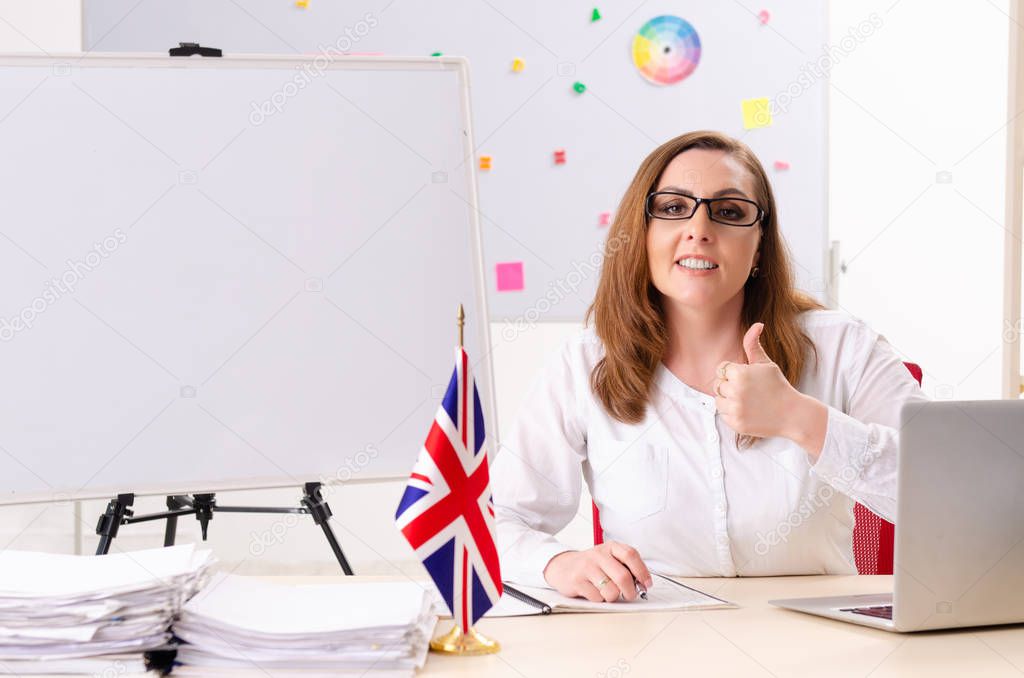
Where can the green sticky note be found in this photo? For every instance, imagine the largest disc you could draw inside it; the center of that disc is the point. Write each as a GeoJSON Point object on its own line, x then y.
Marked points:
{"type": "Point", "coordinates": [596, 15]}
{"type": "Point", "coordinates": [579, 87]}
{"type": "Point", "coordinates": [435, 54]}
{"type": "Point", "coordinates": [756, 113]}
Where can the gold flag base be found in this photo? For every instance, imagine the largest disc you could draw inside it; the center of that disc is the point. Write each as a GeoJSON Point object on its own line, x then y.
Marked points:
{"type": "Point", "coordinates": [469, 643]}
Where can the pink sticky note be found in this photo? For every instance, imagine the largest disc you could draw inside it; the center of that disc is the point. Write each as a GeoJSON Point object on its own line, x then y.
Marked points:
{"type": "Point", "coordinates": [781, 165]}
{"type": "Point", "coordinates": [604, 218]}
{"type": "Point", "coordinates": [510, 276]}
{"type": "Point", "coordinates": [764, 15]}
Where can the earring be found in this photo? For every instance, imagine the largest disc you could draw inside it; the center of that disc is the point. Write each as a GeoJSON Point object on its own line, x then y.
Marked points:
{"type": "Point", "coordinates": [753, 273]}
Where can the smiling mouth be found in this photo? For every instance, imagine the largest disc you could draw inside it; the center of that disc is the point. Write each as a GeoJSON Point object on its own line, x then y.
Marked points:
{"type": "Point", "coordinates": [696, 264]}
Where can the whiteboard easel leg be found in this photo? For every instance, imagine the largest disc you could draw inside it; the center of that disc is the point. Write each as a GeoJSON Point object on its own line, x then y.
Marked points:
{"type": "Point", "coordinates": [112, 519]}
{"type": "Point", "coordinates": [313, 500]}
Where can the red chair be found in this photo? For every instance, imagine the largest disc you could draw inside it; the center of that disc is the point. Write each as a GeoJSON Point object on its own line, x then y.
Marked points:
{"type": "Point", "coordinates": [873, 537]}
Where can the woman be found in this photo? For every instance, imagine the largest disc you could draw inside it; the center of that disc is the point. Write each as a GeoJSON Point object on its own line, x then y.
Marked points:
{"type": "Point", "coordinates": [725, 423]}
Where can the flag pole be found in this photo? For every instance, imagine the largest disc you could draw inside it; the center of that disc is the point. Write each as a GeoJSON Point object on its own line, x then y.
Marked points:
{"type": "Point", "coordinates": [461, 316]}
{"type": "Point", "coordinates": [457, 640]}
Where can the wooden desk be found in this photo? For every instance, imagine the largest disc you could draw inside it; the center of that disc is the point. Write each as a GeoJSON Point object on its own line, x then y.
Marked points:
{"type": "Point", "coordinates": [755, 640]}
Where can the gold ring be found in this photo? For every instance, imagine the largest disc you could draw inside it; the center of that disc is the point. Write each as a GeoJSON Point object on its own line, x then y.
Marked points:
{"type": "Point", "coordinates": [603, 582]}
{"type": "Point", "coordinates": [721, 372]}
{"type": "Point", "coordinates": [719, 393]}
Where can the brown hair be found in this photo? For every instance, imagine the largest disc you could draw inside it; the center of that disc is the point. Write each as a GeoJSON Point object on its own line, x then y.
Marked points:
{"type": "Point", "coordinates": [627, 311]}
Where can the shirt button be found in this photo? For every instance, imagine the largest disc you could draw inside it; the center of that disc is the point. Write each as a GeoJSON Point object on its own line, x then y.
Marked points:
{"type": "Point", "coordinates": [720, 508]}
{"type": "Point", "coordinates": [716, 473]}
{"type": "Point", "coordinates": [723, 539]}
{"type": "Point", "coordinates": [712, 437]}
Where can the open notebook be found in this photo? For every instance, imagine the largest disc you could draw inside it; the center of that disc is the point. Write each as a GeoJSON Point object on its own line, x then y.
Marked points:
{"type": "Point", "coordinates": [666, 595]}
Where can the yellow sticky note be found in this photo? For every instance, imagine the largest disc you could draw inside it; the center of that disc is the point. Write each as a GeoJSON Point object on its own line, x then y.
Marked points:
{"type": "Point", "coordinates": [756, 113]}
{"type": "Point", "coordinates": [518, 65]}
{"type": "Point", "coordinates": [302, 4]}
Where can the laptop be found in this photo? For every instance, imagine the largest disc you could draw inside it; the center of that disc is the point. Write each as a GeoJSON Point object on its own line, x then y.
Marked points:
{"type": "Point", "coordinates": [959, 552]}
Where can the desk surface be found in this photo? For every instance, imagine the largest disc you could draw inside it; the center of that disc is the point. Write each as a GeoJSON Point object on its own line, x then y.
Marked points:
{"type": "Point", "coordinates": [755, 640]}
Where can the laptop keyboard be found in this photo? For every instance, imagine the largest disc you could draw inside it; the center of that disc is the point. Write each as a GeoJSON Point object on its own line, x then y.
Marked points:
{"type": "Point", "coordinates": [879, 611]}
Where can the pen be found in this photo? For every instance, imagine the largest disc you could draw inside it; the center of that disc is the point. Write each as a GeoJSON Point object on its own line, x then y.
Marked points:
{"type": "Point", "coordinates": [640, 588]}
{"type": "Point", "coordinates": [529, 600]}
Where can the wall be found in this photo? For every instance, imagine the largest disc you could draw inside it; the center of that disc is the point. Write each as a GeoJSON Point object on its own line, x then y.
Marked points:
{"type": "Point", "coordinates": [918, 148]}
{"type": "Point", "coordinates": [922, 253]}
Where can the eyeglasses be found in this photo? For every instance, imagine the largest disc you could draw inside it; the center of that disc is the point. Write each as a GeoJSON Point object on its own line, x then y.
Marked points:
{"type": "Point", "coordinates": [729, 211]}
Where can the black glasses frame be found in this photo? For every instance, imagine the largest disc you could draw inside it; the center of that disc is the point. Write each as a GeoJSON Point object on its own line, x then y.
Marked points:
{"type": "Point", "coordinates": [708, 202]}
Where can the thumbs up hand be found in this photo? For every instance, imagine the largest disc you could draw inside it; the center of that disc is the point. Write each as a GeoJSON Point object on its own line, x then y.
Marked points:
{"type": "Point", "coordinates": [756, 399]}
{"type": "Point", "coordinates": [752, 345]}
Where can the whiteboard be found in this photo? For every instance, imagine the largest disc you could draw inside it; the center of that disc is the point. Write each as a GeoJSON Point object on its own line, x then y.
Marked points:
{"type": "Point", "coordinates": [534, 211]}
{"type": "Point", "coordinates": [194, 297]}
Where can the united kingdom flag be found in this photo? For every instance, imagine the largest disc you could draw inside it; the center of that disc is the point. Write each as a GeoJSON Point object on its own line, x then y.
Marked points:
{"type": "Point", "coordinates": [446, 512]}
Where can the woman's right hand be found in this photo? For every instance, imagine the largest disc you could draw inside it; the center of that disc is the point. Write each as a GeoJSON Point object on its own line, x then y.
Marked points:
{"type": "Point", "coordinates": [600, 574]}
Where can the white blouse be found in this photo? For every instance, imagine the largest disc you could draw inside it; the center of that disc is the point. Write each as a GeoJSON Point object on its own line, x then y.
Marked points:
{"type": "Point", "coordinates": [675, 486]}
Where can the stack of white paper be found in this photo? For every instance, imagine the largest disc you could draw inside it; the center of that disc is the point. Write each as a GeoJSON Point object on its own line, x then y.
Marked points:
{"type": "Point", "coordinates": [90, 614]}
{"type": "Point", "coordinates": [252, 626]}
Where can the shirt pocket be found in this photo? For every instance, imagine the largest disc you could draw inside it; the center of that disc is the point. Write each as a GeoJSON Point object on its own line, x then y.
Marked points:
{"type": "Point", "coordinates": [630, 479]}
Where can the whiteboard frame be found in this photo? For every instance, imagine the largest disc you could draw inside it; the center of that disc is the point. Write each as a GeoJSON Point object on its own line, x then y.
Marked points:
{"type": "Point", "coordinates": [460, 65]}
